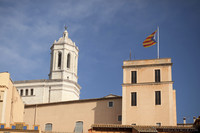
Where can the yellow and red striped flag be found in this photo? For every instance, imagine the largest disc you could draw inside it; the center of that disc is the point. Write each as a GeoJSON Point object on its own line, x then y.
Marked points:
{"type": "Point", "coordinates": [150, 41]}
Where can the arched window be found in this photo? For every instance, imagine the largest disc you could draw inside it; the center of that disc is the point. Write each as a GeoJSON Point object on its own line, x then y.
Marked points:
{"type": "Point", "coordinates": [78, 127]}
{"type": "Point", "coordinates": [26, 92]}
{"type": "Point", "coordinates": [75, 64]}
{"type": "Point", "coordinates": [48, 127]}
{"type": "Point", "coordinates": [32, 92]}
{"type": "Point", "coordinates": [59, 59]}
{"type": "Point", "coordinates": [68, 60]}
{"type": "Point", "coordinates": [21, 92]}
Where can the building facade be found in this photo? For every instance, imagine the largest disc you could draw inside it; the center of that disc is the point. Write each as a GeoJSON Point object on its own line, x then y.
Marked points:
{"type": "Point", "coordinates": [11, 104]}
{"type": "Point", "coordinates": [148, 93]}
{"type": "Point", "coordinates": [74, 116]}
{"type": "Point", "coordinates": [62, 83]}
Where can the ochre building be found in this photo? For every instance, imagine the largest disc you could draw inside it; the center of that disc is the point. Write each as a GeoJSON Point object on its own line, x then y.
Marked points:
{"type": "Point", "coordinates": [11, 104]}
{"type": "Point", "coordinates": [147, 92]}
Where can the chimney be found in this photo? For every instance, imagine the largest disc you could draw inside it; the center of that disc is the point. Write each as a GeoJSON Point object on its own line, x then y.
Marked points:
{"type": "Point", "coordinates": [194, 119]}
{"type": "Point", "coordinates": [184, 120]}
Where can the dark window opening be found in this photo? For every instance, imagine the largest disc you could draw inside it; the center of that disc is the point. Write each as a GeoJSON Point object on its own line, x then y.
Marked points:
{"type": "Point", "coordinates": [133, 77]}
{"type": "Point", "coordinates": [110, 104]}
{"type": "Point", "coordinates": [31, 92]}
{"type": "Point", "coordinates": [158, 124]}
{"type": "Point", "coordinates": [68, 61]}
{"type": "Point", "coordinates": [21, 92]}
{"type": "Point", "coordinates": [133, 99]}
{"type": "Point", "coordinates": [119, 117]}
{"type": "Point", "coordinates": [26, 92]}
{"type": "Point", "coordinates": [158, 97]}
{"type": "Point", "coordinates": [157, 75]}
{"type": "Point", "coordinates": [59, 59]}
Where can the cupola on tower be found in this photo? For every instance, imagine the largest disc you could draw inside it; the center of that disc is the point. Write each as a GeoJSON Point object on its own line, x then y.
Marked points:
{"type": "Point", "coordinates": [64, 59]}
{"type": "Point", "coordinates": [62, 83]}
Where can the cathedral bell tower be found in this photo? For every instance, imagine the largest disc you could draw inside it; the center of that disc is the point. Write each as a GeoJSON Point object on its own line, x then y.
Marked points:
{"type": "Point", "coordinates": [64, 59]}
{"type": "Point", "coordinates": [62, 84]}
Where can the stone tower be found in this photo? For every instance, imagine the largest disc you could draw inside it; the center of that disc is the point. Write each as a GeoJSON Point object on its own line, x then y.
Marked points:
{"type": "Point", "coordinates": [64, 59]}
{"type": "Point", "coordinates": [148, 94]}
{"type": "Point", "coordinates": [62, 83]}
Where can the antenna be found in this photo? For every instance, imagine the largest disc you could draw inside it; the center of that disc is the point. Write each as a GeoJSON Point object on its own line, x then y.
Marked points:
{"type": "Point", "coordinates": [130, 55]}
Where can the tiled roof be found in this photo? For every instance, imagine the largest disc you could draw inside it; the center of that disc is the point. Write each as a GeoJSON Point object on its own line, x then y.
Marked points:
{"type": "Point", "coordinates": [111, 126]}
{"type": "Point", "coordinates": [137, 128]}
{"type": "Point", "coordinates": [73, 101]}
{"type": "Point", "coordinates": [152, 129]}
{"type": "Point", "coordinates": [145, 129]}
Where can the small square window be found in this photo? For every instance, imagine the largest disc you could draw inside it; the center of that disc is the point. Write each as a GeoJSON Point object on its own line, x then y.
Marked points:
{"type": "Point", "coordinates": [133, 124]}
{"type": "Point", "coordinates": [158, 124]}
{"type": "Point", "coordinates": [48, 127]}
{"type": "Point", "coordinates": [119, 117]}
{"type": "Point", "coordinates": [110, 104]}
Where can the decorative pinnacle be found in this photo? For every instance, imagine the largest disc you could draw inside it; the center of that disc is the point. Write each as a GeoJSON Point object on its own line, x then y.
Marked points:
{"type": "Point", "coordinates": [65, 27]}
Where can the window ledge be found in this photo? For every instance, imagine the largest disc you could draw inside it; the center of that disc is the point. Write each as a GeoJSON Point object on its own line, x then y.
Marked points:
{"type": "Point", "coordinates": [29, 96]}
{"type": "Point", "coordinates": [148, 83]}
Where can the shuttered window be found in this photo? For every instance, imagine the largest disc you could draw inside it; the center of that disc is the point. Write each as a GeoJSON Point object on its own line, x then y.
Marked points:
{"type": "Point", "coordinates": [158, 97]}
{"type": "Point", "coordinates": [48, 127]}
{"type": "Point", "coordinates": [133, 99]}
{"type": "Point", "coordinates": [157, 75]}
{"type": "Point", "coordinates": [78, 127]}
{"type": "Point", "coordinates": [133, 77]}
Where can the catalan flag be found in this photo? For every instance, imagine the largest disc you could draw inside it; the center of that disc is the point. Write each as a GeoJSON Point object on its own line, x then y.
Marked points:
{"type": "Point", "coordinates": [150, 41]}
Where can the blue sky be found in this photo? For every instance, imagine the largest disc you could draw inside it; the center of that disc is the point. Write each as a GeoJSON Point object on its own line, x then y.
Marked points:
{"type": "Point", "coordinates": [104, 31]}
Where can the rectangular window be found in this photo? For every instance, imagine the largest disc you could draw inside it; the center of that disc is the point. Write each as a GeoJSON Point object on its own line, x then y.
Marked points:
{"type": "Point", "coordinates": [133, 99]}
{"type": "Point", "coordinates": [133, 77]}
{"type": "Point", "coordinates": [158, 124]}
{"type": "Point", "coordinates": [31, 92]}
{"type": "Point", "coordinates": [158, 97]}
{"type": "Point", "coordinates": [157, 75]}
{"type": "Point", "coordinates": [110, 104]}
{"type": "Point", "coordinates": [119, 117]}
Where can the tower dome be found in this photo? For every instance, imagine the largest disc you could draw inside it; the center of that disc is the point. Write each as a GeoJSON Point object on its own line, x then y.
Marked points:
{"type": "Point", "coordinates": [64, 59]}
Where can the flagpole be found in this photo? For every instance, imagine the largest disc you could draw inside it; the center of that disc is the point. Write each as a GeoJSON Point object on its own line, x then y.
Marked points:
{"type": "Point", "coordinates": [158, 43]}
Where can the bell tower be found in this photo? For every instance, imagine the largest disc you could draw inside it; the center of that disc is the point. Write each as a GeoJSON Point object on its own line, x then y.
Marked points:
{"type": "Point", "coordinates": [64, 59]}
